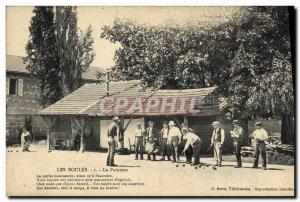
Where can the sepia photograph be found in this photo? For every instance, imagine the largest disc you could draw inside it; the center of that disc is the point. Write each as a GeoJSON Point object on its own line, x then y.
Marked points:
{"type": "Point", "coordinates": [150, 101]}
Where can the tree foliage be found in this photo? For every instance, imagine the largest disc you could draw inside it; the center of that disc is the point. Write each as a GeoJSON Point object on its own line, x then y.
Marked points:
{"type": "Point", "coordinates": [260, 72]}
{"type": "Point", "coordinates": [75, 50]}
{"type": "Point", "coordinates": [42, 60]}
{"type": "Point", "coordinates": [160, 55]}
{"type": "Point", "coordinates": [248, 57]}
{"type": "Point", "coordinates": [57, 52]}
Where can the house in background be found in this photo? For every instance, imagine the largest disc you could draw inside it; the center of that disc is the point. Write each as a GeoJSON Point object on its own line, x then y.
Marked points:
{"type": "Point", "coordinates": [84, 111]}
{"type": "Point", "coordinates": [21, 99]}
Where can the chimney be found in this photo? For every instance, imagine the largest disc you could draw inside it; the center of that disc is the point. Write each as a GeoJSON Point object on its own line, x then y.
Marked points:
{"type": "Point", "coordinates": [107, 82]}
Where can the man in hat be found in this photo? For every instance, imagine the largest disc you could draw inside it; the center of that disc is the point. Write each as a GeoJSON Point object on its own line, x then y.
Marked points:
{"type": "Point", "coordinates": [175, 137]}
{"type": "Point", "coordinates": [194, 141]}
{"type": "Point", "coordinates": [165, 145]}
{"type": "Point", "coordinates": [260, 136]}
{"type": "Point", "coordinates": [139, 141]}
{"type": "Point", "coordinates": [112, 133]}
{"type": "Point", "coordinates": [237, 137]}
{"type": "Point", "coordinates": [189, 151]}
{"type": "Point", "coordinates": [185, 125]}
{"type": "Point", "coordinates": [151, 141]}
{"type": "Point", "coordinates": [217, 140]}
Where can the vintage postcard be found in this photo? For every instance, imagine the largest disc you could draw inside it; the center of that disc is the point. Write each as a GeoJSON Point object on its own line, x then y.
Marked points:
{"type": "Point", "coordinates": [150, 101]}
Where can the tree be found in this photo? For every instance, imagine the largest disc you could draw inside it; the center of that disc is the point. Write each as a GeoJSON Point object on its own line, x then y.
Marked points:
{"type": "Point", "coordinates": [164, 56]}
{"type": "Point", "coordinates": [248, 57]}
{"type": "Point", "coordinates": [57, 52]}
{"type": "Point", "coordinates": [75, 51]}
{"type": "Point", "coordinates": [42, 60]}
{"type": "Point", "coordinates": [261, 74]}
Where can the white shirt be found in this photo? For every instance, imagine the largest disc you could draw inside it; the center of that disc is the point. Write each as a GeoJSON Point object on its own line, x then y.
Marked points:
{"type": "Point", "coordinates": [24, 134]}
{"type": "Point", "coordinates": [236, 133]}
{"type": "Point", "coordinates": [214, 135]}
{"type": "Point", "coordinates": [174, 132]}
{"type": "Point", "coordinates": [139, 133]}
{"type": "Point", "coordinates": [191, 138]}
{"type": "Point", "coordinates": [260, 134]}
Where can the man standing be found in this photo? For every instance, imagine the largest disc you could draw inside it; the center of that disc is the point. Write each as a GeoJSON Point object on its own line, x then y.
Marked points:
{"type": "Point", "coordinates": [174, 139]}
{"type": "Point", "coordinates": [25, 140]}
{"type": "Point", "coordinates": [164, 134]}
{"type": "Point", "coordinates": [194, 141]}
{"type": "Point", "coordinates": [151, 141]}
{"type": "Point", "coordinates": [77, 140]}
{"type": "Point", "coordinates": [217, 140]}
{"type": "Point", "coordinates": [260, 136]}
{"type": "Point", "coordinates": [112, 133]}
{"type": "Point", "coordinates": [237, 136]}
{"type": "Point", "coordinates": [139, 141]}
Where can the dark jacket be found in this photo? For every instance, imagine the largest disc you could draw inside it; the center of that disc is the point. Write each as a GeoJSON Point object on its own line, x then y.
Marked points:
{"type": "Point", "coordinates": [161, 133]}
{"type": "Point", "coordinates": [113, 130]}
{"type": "Point", "coordinates": [153, 135]}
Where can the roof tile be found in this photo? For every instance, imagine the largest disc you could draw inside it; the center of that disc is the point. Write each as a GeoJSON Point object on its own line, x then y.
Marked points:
{"type": "Point", "coordinates": [86, 100]}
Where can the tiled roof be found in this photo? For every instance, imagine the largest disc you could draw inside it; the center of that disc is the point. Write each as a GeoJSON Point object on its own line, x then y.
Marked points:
{"type": "Point", "coordinates": [88, 95]}
{"type": "Point", "coordinates": [15, 64]}
{"type": "Point", "coordinates": [87, 100]}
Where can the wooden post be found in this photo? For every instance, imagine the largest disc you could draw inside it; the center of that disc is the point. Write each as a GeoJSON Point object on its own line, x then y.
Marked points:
{"type": "Point", "coordinates": [49, 126]}
{"type": "Point", "coordinates": [185, 120]}
{"type": "Point", "coordinates": [82, 135]}
{"type": "Point", "coordinates": [107, 83]}
{"type": "Point", "coordinates": [48, 138]}
{"type": "Point", "coordinates": [213, 101]}
{"type": "Point", "coordinates": [122, 131]}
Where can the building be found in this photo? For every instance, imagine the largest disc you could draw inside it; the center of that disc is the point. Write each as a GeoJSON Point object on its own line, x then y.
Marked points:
{"type": "Point", "coordinates": [21, 99]}
{"type": "Point", "coordinates": [89, 110]}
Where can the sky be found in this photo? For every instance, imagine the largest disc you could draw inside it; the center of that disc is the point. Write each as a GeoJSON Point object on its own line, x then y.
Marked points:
{"type": "Point", "coordinates": [18, 21]}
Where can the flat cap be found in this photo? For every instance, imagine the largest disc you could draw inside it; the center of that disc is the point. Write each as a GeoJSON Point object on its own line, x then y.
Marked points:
{"type": "Point", "coordinates": [235, 122]}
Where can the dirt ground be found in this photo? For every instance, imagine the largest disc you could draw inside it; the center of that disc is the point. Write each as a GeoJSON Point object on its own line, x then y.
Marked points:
{"type": "Point", "coordinates": [152, 178]}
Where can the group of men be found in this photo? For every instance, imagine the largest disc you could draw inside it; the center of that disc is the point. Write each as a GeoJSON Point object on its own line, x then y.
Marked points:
{"type": "Point", "coordinates": [170, 138]}
{"type": "Point", "coordinates": [259, 137]}
{"type": "Point", "coordinates": [167, 140]}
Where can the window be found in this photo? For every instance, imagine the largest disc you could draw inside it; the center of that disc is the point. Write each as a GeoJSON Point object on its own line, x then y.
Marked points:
{"type": "Point", "coordinates": [13, 86]}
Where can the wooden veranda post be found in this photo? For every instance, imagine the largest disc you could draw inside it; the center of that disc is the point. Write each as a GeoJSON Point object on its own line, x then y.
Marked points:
{"type": "Point", "coordinates": [49, 126]}
{"type": "Point", "coordinates": [122, 131]}
{"type": "Point", "coordinates": [48, 139]}
{"type": "Point", "coordinates": [82, 136]}
{"type": "Point", "coordinates": [186, 120]}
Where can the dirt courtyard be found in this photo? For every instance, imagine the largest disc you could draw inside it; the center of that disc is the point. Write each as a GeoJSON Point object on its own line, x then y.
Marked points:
{"type": "Point", "coordinates": [151, 178]}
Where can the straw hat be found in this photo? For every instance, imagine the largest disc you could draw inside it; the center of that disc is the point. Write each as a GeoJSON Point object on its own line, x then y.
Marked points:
{"type": "Point", "coordinates": [116, 118]}
{"type": "Point", "coordinates": [215, 123]}
{"type": "Point", "coordinates": [171, 123]}
{"type": "Point", "coordinates": [258, 123]}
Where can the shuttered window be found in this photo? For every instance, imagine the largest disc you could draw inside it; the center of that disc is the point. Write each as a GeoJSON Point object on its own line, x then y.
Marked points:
{"type": "Point", "coordinates": [14, 86]}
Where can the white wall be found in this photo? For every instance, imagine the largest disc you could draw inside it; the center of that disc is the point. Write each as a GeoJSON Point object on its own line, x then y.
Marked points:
{"type": "Point", "coordinates": [128, 133]}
